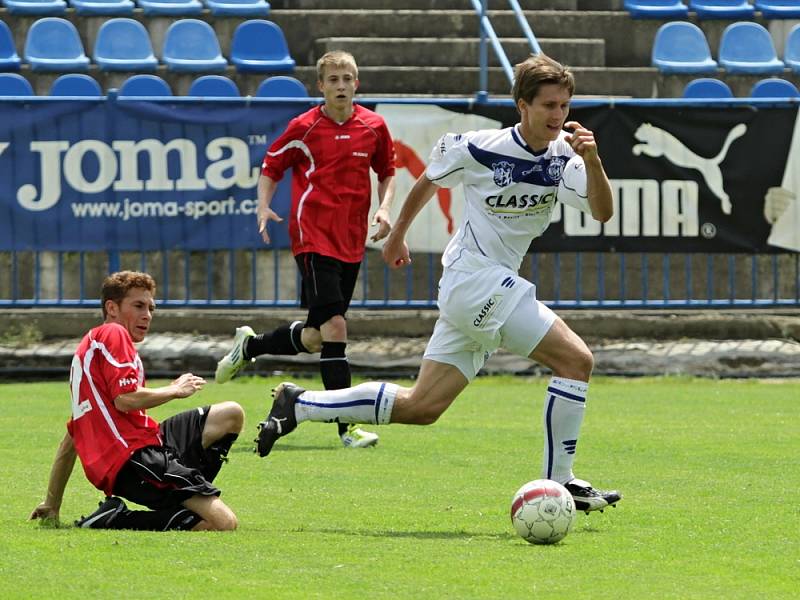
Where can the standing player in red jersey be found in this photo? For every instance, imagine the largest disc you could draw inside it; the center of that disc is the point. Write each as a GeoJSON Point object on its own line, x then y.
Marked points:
{"type": "Point", "coordinates": [124, 452]}
{"type": "Point", "coordinates": [330, 149]}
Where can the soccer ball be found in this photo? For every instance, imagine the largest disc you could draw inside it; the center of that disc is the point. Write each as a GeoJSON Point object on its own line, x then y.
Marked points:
{"type": "Point", "coordinates": [542, 511]}
{"type": "Point", "coordinates": [572, 186]}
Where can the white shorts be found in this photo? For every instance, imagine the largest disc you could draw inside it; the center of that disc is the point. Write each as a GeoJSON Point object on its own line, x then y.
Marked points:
{"type": "Point", "coordinates": [482, 311]}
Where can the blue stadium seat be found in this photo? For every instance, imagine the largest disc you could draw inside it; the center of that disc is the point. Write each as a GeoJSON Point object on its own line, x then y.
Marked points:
{"type": "Point", "coordinates": [238, 8]}
{"type": "Point", "coordinates": [791, 50]}
{"type": "Point", "coordinates": [281, 86]}
{"type": "Point", "coordinates": [779, 9]}
{"type": "Point", "coordinates": [53, 44]}
{"type": "Point", "coordinates": [259, 46]}
{"type": "Point", "coordinates": [656, 9]}
{"type": "Point", "coordinates": [722, 9]}
{"type": "Point", "coordinates": [36, 7]}
{"type": "Point", "coordinates": [214, 86]}
{"type": "Point", "coordinates": [123, 44]}
{"type": "Point", "coordinates": [75, 84]}
{"type": "Point", "coordinates": [14, 84]}
{"type": "Point", "coordinates": [9, 59]}
{"type": "Point", "coordinates": [774, 88]}
{"type": "Point", "coordinates": [681, 47]}
{"type": "Point", "coordinates": [746, 48]}
{"type": "Point", "coordinates": [171, 7]}
{"type": "Point", "coordinates": [190, 45]}
{"type": "Point", "coordinates": [144, 85]}
{"type": "Point", "coordinates": [707, 88]}
{"type": "Point", "coordinates": [102, 7]}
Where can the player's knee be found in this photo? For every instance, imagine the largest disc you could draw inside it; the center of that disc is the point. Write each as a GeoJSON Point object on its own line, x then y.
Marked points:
{"type": "Point", "coordinates": [232, 416]}
{"type": "Point", "coordinates": [579, 366]}
{"type": "Point", "coordinates": [224, 521]}
{"type": "Point", "coordinates": [335, 328]}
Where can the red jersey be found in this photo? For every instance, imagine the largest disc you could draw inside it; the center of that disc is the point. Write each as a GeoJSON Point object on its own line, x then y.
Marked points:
{"type": "Point", "coordinates": [331, 191]}
{"type": "Point", "coordinates": [105, 366]}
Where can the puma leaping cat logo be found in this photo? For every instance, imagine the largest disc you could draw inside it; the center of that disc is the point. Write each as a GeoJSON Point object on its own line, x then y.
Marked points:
{"type": "Point", "coordinates": [656, 142]}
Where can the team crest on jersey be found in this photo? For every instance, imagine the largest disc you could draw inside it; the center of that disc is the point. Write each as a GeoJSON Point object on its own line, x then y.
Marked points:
{"type": "Point", "coordinates": [555, 168]}
{"type": "Point", "coordinates": [503, 173]}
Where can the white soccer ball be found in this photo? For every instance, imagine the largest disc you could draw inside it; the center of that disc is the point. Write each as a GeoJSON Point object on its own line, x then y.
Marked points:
{"type": "Point", "coordinates": [572, 187]}
{"type": "Point", "coordinates": [542, 511]}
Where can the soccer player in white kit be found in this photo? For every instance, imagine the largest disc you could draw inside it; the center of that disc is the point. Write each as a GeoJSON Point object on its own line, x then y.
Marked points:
{"type": "Point", "coordinates": [510, 178]}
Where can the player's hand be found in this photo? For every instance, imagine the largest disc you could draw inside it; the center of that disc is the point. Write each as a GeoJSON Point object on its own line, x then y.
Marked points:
{"type": "Point", "coordinates": [776, 201]}
{"type": "Point", "coordinates": [187, 384]}
{"type": "Point", "coordinates": [582, 140]}
{"type": "Point", "coordinates": [46, 513]}
{"type": "Point", "coordinates": [395, 253]}
{"type": "Point", "coordinates": [384, 223]}
{"type": "Point", "coordinates": [264, 215]}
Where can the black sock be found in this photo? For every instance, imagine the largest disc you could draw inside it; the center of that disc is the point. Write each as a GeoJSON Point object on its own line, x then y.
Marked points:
{"type": "Point", "coordinates": [284, 340]}
{"type": "Point", "coordinates": [217, 454]}
{"type": "Point", "coordinates": [335, 370]}
{"type": "Point", "coordinates": [164, 519]}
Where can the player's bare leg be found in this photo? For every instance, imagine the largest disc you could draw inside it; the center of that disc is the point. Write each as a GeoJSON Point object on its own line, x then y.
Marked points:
{"type": "Point", "coordinates": [566, 354]}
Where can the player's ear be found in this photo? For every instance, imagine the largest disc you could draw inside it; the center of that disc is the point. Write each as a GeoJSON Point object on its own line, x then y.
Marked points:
{"type": "Point", "coordinates": [356, 84]}
{"type": "Point", "coordinates": [112, 310]}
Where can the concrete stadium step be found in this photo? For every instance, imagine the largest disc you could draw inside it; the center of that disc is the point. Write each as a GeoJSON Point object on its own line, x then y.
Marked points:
{"type": "Point", "coordinates": [636, 82]}
{"type": "Point", "coordinates": [440, 52]}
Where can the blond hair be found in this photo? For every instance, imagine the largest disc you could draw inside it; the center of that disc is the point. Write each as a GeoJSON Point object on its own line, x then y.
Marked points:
{"type": "Point", "coordinates": [336, 59]}
{"type": "Point", "coordinates": [538, 70]}
{"type": "Point", "coordinates": [117, 285]}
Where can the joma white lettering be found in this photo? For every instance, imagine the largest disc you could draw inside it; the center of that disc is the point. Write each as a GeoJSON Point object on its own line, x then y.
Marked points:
{"type": "Point", "coordinates": [118, 168]}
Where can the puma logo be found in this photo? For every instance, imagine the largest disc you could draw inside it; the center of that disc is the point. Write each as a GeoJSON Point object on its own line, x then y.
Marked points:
{"type": "Point", "coordinates": [656, 142]}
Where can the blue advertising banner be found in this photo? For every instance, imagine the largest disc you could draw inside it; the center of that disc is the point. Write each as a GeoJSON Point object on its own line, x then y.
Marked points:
{"type": "Point", "coordinates": [136, 175]}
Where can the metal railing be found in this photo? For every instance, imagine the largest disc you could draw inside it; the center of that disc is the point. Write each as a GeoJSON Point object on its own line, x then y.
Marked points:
{"type": "Point", "coordinates": [268, 278]}
{"type": "Point", "coordinates": [486, 32]}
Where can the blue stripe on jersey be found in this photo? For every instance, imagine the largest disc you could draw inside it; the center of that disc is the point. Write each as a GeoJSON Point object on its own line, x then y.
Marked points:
{"type": "Point", "coordinates": [567, 395]}
{"type": "Point", "coordinates": [522, 171]}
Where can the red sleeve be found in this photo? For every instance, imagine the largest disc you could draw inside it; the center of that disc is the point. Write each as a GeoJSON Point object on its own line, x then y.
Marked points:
{"type": "Point", "coordinates": [119, 367]}
{"type": "Point", "coordinates": [383, 160]}
{"type": "Point", "coordinates": [280, 156]}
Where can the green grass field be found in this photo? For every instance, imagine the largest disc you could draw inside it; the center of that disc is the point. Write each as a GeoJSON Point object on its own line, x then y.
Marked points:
{"type": "Point", "coordinates": [708, 469]}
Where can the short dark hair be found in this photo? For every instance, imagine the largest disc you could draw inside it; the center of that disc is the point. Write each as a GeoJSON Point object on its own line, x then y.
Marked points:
{"type": "Point", "coordinates": [538, 70]}
{"type": "Point", "coordinates": [117, 285]}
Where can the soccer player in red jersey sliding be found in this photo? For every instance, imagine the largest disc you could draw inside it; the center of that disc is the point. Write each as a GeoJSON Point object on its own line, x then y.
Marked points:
{"type": "Point", "coordinates": [330, 149]}
{"type": "Point", "coordinates": [124, 452]}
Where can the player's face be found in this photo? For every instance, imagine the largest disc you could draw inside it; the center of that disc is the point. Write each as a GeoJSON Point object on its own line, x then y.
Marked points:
{"type": "Point", "coordinates": [134, 313]}
{"type": "Point", "coordinates": [338, 86]}
{"type": "Point", "coordinates": [542, 120]}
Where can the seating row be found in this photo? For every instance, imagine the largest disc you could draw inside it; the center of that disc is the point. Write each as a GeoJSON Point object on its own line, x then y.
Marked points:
{"type": "Point", "coordinates": [242, 8]}
{"type": "Point", "coordinates": [144, 84]}
{"type": "Point", "coordinates": [123, 44]}
{"type": "Point", "coordinates": [744, 48]}
{"type": "Point", "coordinates": [713, 9]}
{"type": "Point", "coordinates": [773, 87]}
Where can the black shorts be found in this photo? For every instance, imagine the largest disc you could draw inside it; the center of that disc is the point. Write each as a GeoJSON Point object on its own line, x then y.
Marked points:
{"type": "Point", "coordinates": [328, 286]}
{"type": "Point", "coordinates": [164, 476]}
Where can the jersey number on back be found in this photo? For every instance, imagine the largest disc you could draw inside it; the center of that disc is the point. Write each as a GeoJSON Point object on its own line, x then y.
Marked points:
{"type": "Point", "coordinates": [79, 408]}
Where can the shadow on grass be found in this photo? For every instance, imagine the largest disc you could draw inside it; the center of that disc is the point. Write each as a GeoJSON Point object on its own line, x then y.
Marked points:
{"type": "Point", "coordinates": [247, 448]}
{"type": "Point", "coordinates": [422, 535]}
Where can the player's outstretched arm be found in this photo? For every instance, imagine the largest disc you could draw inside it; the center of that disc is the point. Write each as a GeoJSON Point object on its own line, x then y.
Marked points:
{"type": "Point", "coordinates": [395, 249]}
{"type": "Point", "coordinates": [264, 214]}
{"type": "Point", "coordinates": [144, 398]}
{"type": "Point", "coordinates": [598, 188]}
{"type": "Point", "coordinates": [64, 461]}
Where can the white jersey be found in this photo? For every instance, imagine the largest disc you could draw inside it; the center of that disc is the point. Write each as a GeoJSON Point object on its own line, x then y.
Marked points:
{"type": "Point", "coordinates": [509, 192]}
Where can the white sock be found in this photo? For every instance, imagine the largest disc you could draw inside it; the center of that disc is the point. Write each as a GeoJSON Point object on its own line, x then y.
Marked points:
{"type": "Point", "coordinates": [365, 403]}
{"type": "Point", "coordinates": [563, 414]}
